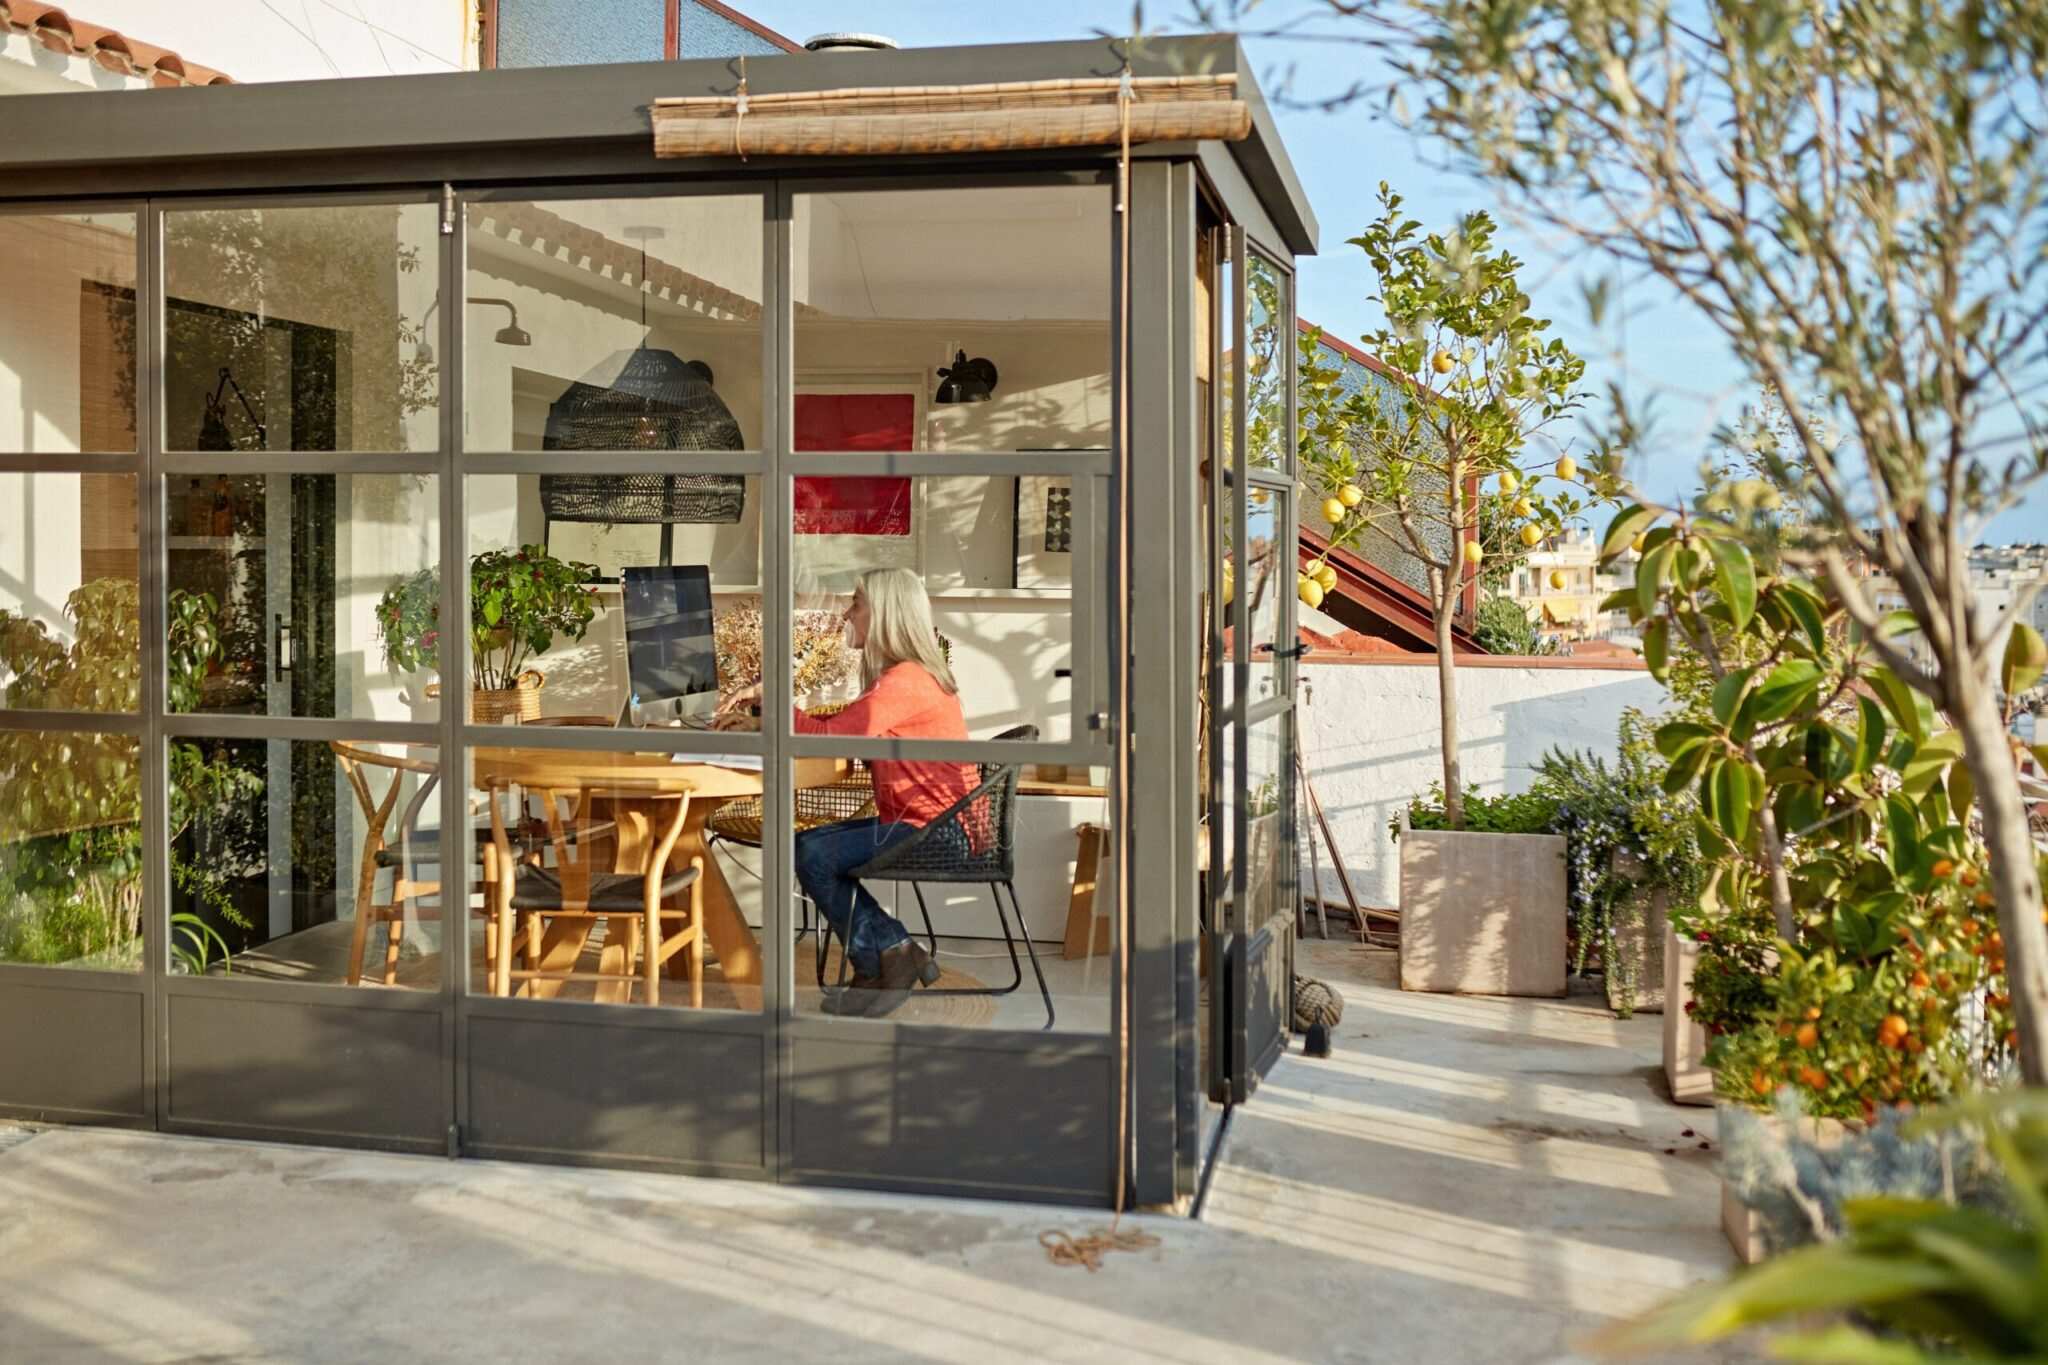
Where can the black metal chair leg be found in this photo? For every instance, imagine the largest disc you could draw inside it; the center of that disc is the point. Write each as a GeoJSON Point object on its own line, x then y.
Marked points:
{"type": "Point", "coordinates": [931, 935]}
{"type": "Point", "coordinates": [1029, 948]}
{"type": "Point", "coordinates": [1016, 963]}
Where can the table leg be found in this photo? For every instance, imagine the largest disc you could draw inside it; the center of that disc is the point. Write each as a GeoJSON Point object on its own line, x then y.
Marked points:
{"type": "Point", "coordinates": [725, 928]}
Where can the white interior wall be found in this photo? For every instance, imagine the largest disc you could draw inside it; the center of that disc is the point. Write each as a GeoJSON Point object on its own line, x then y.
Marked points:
{"type": "Point", "coordinates": [1371, 738]}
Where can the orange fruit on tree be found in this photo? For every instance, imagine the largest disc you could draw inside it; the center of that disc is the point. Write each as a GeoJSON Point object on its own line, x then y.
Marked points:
{"type": "Point", "coordinates": [1813, 1078]}
{"type": "Point", "coordinates": [1943, 868]}
{"type": "Point", "coordinates": [1968, 876]}
{"type": "Point", "coordinates": [1760, 1083]}
{"type": "Point", "coordinates": [1813, 1012]}
{"type": "Point", "coordinates": [1808, 1036]}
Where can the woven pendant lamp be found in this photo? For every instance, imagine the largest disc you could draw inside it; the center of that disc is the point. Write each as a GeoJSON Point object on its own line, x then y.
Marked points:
{"type": "Point", "coordinates": [643, 399]}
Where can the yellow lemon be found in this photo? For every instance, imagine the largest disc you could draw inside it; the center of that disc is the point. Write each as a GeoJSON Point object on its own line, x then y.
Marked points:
{"type": "Point", "coordinates": [1557, 579]}
{"type": "Point", "coordinates": [1637, 543]}
{"type": "Point", "coordinates": [1473, 554]}
{"type": "Point", "coordinates": [1229, 586]}
{"type": "Point", "coordinates": [1532, 535]}
{"type": "Point", "coordinates": [1351, 495]}
{"type": "Point", "coordinates": [1509, 481]}
{"type": "Point", "coordinates": [1523, 509]}
{"type": "Point", "coordinates": [1333, 511]}
{"type": "Point", "coordinates": [1443, 362]}
{"type": "Point", "coordinates": [1310, 592]}
{"type": "Point", "coordinates": [1326, 577]}
{"type": "Point", "coordinates": [1567, 468]}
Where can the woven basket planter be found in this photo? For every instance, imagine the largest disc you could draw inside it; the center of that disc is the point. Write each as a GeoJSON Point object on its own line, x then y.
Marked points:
{"type": "Point", "coordinates": [509, 705]}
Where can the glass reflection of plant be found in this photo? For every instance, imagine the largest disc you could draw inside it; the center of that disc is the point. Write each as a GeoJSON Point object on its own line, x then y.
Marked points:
{"type": "Point", "coordinates": [520, 603]}
{"type": "Point", "coordinates": [73, 880]}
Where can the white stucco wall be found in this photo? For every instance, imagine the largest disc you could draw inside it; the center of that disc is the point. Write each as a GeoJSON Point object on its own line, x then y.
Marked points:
{"type": "Point", "coordinates": [1371, 738]}
{"type": "Point", "coordinates": [252, 40]}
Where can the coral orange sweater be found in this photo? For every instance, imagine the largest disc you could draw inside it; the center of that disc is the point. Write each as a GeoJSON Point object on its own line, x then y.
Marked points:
{"type": "Point", "coordinates": [905, 703]}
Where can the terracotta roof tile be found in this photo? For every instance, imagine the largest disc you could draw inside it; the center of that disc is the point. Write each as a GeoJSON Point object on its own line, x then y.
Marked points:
{"type": "Point", "coordinates": [51, 26]}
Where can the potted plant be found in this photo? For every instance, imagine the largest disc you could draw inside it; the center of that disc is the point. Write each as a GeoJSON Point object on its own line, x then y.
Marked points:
{"type": "Point", "coordinates": [1483, 909]}
{"type": "Point", "coordinates": [520, 603]}
{"type": "Point", "coordinates": [1848, 945]}
{"type": "Point", "coordinates": [1632, 855]}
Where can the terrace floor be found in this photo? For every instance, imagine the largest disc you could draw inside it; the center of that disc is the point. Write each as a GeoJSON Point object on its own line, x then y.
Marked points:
{"type": "Point", "coordinates": [1465, 1180]}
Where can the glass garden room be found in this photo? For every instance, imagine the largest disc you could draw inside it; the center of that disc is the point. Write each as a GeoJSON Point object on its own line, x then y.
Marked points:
{"type": "Point", "coordinates": [294, 376]}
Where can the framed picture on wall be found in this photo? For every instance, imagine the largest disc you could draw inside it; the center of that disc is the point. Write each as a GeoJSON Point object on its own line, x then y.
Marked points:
{"type": "Point", "coordinates": [1045, 531]}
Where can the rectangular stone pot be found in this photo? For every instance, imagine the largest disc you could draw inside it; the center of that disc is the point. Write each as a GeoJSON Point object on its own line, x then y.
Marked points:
{"type": "Point", "coordinates": [1640, 936]}
{"type": "Point", "coordinates": [1482, 914]}
{"type": "Point", "coordinates": [1741, 1225]}
{"type": "Point", "coordinates": [1685, 1043]}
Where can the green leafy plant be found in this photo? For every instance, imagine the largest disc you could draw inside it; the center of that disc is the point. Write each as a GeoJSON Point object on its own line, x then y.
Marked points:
{"type": "Point", "coordinates": [1923, 1280]}
{"type": "Point", "coordinates": [1502, 626]}
{"type": "Point", "coordinates": [1842, 921]}
{"type": "Point", "coordinates": [73, 875]}
{"type": "Point", "coordinates": [1473, 380]}
{"type": "Point", "coordinates": [1627, 840]}
{"type": "Point", "coordinates": [520, 603]}
{"type": "Point", "coordinates": [1516, 813]}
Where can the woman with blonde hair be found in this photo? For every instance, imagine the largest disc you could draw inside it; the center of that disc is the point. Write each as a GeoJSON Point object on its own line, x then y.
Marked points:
{"type": "Point", "coordinates": [907, 692]}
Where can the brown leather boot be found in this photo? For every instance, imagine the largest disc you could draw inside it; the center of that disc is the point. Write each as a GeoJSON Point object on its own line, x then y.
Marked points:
{"type": "Point", "coordinates": [903, 967]}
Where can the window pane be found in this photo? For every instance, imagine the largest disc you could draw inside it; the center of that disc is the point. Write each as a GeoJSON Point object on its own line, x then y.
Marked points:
{"type": "Point", "coordinates": [67, 333]}
{"type": "Point", "coordinates": [577, 833]}
{"type": "Point", "coordinates": [71, 849]}
{"type": "Point", "coordinates": [917, 865]}
{"type": "Point", "coordinates": [70, 610]}
{"type": "Point", "coordinates": [282, 871]}
{"type": "Point", "coordinates": [1008, 286]}
{"type": "Point", "coordinates": [1267, 338]}
{"type": "Point", "coordinates": [315, 591]}
{"type": "Point", "coordinates": [635, 606]}
{"type": "Point", "coordinates": [574, 344]}
{"type": "Point", "coordinates": [302, 328]}
{"type": "Point", "coordinates": [996, 561]}
{"type": "Point", "coordinates": [578, 32]}
{"type": "Point", "coordinates": [1265, 790]}
{"type": "Point", "coordinates": [1264, 579]}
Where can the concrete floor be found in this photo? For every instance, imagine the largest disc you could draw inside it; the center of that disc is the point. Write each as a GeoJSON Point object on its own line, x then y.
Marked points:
{"type": "Point", "coordinates": [1467, 1180]}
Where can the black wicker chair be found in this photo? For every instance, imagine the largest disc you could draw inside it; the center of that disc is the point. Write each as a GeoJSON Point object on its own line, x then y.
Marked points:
{"type": "Point", "coordinates": [974, 842]}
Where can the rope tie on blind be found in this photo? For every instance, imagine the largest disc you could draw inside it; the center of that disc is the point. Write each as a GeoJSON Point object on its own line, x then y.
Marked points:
{"type": "Point", "coordinates": [739, 111]}
{"type": "Point", "coordinates": [1061, 1248]}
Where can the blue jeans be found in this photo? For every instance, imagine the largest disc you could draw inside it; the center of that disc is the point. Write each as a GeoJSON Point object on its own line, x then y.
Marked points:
{"type": "Point", "coordinates": [824, 858]}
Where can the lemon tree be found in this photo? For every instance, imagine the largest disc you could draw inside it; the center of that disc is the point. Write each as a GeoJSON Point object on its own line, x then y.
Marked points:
{"type": "Point", "coordinates": [1439, 460]}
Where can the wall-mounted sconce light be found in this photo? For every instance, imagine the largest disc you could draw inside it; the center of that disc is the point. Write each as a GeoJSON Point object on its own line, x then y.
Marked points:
{"type": "Point", "coordinates": [966, 381]}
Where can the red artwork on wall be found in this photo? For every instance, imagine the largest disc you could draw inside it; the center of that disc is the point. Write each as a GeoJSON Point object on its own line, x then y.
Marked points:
{"type": "Point", "coordinates": [863, 505]}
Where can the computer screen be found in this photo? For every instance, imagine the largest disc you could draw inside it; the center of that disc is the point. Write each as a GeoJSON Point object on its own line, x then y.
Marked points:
{"type": "Point", "coordinates": [670, 651]}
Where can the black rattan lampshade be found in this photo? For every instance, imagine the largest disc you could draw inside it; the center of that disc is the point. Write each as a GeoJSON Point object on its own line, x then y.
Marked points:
{"type": "Point", "coordinates": [643, 399]}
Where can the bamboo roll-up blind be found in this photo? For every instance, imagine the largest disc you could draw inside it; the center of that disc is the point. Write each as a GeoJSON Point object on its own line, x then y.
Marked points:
{"type": "Point", "coordinates": [1012, 116]}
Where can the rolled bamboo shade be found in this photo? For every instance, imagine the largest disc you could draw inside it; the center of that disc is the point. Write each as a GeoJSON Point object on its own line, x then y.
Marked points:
{"type": "Point", "coordinates": [1010, 116]}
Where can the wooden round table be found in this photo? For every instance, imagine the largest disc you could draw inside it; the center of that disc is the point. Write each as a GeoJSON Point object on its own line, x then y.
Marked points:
{"type": "Point", "coordinates": [616, 779]}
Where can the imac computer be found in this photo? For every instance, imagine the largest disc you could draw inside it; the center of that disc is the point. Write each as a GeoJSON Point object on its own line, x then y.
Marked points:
{"type": "Point", "coordinates": [671, 656]}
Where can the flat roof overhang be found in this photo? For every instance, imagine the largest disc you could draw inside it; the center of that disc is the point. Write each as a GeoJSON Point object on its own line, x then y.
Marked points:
{"type": "Point", "coordinates": [554, 123]}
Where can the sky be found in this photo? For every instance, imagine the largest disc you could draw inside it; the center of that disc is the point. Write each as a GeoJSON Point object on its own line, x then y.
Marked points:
{"type": "Point", "coordinates": [1658, 350]}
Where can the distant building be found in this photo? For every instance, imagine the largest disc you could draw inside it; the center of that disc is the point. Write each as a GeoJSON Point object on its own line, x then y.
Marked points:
{"type": "Point", "coordinates": [1562, 586]}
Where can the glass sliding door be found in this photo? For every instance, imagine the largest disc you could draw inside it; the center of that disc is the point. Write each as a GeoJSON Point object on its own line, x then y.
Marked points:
{"type": "Point", "coordinates": [76, 928]}
{"type": "Point", "coordinates": [296, 451]}
{"type": "Point", "coordinates": [1250, 732]}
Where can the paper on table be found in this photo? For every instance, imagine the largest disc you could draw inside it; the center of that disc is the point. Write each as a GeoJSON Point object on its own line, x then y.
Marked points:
{"type": "Point", "coordinates": [744, 762]}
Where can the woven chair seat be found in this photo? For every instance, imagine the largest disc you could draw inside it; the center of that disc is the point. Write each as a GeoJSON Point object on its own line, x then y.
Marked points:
{"type": "Point", "coordinates": [850, 798]}
{"type": "Point", "coordinates": [539, 888]}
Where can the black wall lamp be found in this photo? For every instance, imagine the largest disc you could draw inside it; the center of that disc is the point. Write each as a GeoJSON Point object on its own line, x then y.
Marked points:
{"type": "Point", "coordinates": [966, 381]}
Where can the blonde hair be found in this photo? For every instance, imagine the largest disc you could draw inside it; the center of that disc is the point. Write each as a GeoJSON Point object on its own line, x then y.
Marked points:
{"type": "Point", "coordinates": [900, 628]}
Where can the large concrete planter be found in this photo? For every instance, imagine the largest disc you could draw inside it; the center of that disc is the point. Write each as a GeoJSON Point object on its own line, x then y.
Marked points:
{"type": "Point", "coordinates": [1742, 1225]}
{"type": "Point", "coordinates": [1685, 1043]}
{"type": "Point", "coordinates": [1640, 940]}
{"type": "Point", "coordinates": [1482, 914]}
